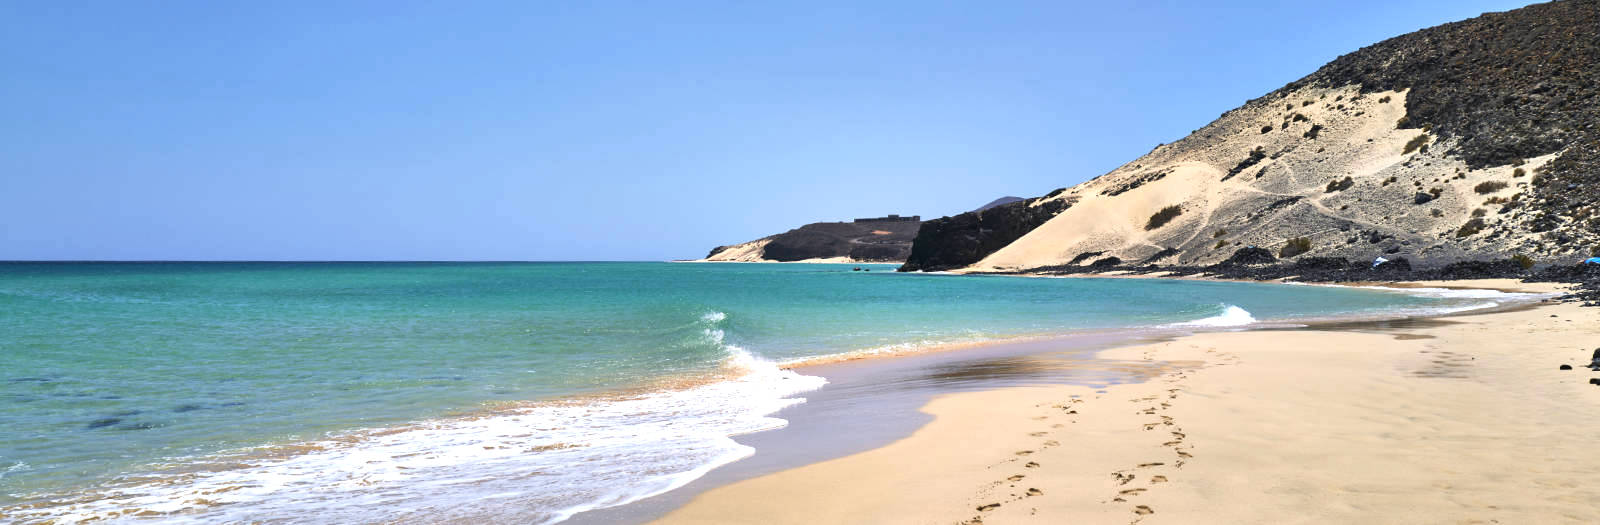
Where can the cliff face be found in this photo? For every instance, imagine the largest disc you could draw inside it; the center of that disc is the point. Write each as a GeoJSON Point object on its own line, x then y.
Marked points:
{"type": "Point", "coordinates": [1475, 139]}
{"type": "Point", "coordinates": [954, 242]}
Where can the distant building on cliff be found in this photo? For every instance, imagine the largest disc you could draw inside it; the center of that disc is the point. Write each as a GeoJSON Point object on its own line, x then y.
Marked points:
{"type": "Point", "coordinates": [892, 218]}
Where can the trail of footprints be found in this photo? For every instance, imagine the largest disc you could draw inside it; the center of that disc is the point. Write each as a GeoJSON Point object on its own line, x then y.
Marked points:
{"type": "Point", "coordinates": [1130, 482]}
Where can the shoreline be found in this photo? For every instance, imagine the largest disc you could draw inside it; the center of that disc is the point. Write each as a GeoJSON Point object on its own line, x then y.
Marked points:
{"type": "Point", "coordinates": [966, 457]}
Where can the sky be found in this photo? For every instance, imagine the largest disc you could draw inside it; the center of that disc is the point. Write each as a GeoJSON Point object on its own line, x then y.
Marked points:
{"type": "Point", "coordinates": [193, 130]}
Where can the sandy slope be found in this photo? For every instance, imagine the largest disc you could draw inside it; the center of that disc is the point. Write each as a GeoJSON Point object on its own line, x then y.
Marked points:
{"type": "Point", "coordinates": [1285, 192]}
{"type": "Point", "coordinates": [1468, 421]}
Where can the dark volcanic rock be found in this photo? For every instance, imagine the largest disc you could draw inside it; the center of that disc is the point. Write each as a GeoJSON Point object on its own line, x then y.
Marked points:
{"type": "Point", "coordinates": [954, 242]}
{"type": "Point", "coordinates": [1422, 198]}
{"type": "Point", "coordinates": [1566, 367]}
{"type": "Point", "coordinates": [1108, 262]}
{"type": "Point", "coordinates": [1251, 255]}
{"type": "Point", "coordinates": [1164, 253]}
{"type": "Point", "coordinates": [867, 241]}
{"type": "Point", "coordinates": [1480, 270]}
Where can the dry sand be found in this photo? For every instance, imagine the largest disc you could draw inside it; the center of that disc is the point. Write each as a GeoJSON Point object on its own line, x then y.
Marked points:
{"type": "Point", "coordinates": [1459, 420]}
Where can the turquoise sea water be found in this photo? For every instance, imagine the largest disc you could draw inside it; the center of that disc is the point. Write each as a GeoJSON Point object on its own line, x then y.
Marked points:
{"type": "Point", "coordinates": [376, 391]}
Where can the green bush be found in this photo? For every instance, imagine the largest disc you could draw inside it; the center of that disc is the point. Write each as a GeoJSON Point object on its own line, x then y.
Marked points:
{"type": "Point", "coordinates": [1471, 228]}
{"type": "Point", "coordinates": [1295, 246]}
{"type": "Point", "coordinates": [1524, 261]}
{"type": "Point", "coordinates": [1161, 218]}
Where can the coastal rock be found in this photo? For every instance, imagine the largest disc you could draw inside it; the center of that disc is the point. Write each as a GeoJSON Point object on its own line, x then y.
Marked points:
{"type": "Point", "coordinates": [1251, 255]}
{"type": "Point", "coordinates": [954, 242]}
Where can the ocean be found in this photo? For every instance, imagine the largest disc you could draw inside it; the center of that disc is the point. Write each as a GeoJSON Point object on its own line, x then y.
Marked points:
{"type": "Point", "coordinates": [371, 392]}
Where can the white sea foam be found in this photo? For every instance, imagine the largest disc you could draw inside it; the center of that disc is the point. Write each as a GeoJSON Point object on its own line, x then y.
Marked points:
{"type": "Point", "coordinates": [1231, 316]}
{"type": "Point", "coordinates": [537, 464]}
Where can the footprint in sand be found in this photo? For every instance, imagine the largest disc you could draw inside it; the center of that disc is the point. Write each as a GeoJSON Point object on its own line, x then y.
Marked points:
{"type": "Point", "coordinates": [1035, 492]}
{"type": "Point", "coordinates": [989, 507]}
{"type": "Point", "coordinates": [1172, 443]}
{"type": "Point", "coordinates": [1024, 452]}
{"type": "Point", "coordinates": [1031, 465]}
{"type": "Point", "coordinates": [1143, 510]}
{"type": "Point", "coordinates": [1017, 477]}
{"type": "Point", "coordinates": [1037, 434]}
{"type": "Point", "coordinates": [1148, 465]}
{"type": "Point", "coordinates": [1157, 479]}
{"type": "Point", "coordinates": [1052, 443]}
{"type": "Point", "coordinates": [1132, 491]}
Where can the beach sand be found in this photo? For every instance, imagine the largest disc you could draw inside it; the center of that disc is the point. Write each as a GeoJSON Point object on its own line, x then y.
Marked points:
{"type": "Point", "coordinates": [1464, 419]}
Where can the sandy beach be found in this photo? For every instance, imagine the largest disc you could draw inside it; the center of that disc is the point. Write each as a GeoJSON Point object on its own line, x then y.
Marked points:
{"type": "Point", "coordinates": [1464, 419]}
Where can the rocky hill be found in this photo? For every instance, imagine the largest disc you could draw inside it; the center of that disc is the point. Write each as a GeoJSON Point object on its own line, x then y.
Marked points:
{"type": "Point", "coordinates": [860, 241]}
{"type": "Point", "coordinates": [1477, 139]}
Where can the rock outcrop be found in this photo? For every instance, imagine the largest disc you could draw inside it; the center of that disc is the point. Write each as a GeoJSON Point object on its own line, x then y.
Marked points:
{"type": "Point", "coordinates": [1477, 139]}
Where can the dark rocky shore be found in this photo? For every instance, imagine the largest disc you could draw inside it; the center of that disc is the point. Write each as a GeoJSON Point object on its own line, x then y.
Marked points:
{"type": "Point", "coordinates": [1258, 264]}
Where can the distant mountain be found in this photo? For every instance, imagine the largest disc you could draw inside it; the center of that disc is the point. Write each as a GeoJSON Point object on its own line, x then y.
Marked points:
{"type": "Point", "coordinates": [1477, 139]}
{"type": "Point", "coordinates": [881, 239]}
{"type": "Point", "coordinates": [999, 201]}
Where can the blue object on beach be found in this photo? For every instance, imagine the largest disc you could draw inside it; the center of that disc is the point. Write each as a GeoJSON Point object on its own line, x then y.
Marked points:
{"type": "Point", "coordinates": [1592, 260]}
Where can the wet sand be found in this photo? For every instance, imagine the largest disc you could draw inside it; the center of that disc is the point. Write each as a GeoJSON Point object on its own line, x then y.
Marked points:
{"type": "Point", "coordinates": [1464, 419]}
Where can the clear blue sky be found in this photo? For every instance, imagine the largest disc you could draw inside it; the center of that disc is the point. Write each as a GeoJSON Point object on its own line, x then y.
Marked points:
{"type": "Point", "coordinates": [598, 130]}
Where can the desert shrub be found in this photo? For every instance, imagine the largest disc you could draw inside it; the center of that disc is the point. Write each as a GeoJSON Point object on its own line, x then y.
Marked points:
{"type": "Point", "coordinates": [1266, 128]}
{"type": "Point", "coordinates": [1295, 246]}
{"type": "Point", "coordinates": [1383, 100]}
{"type": "Point", "coordinates": [1524, 261]}
{"type": "Point", "coordinates": [1496, 200]}
{"type": "Point", "coordinates": [1312, 133]}
{"type": "Point", "coordinates": [1307, 103]}
{"type": "Point", "coordinates": [1518, 173]}
{"type": "Point", "coordinates": [1402, 122]}
{"type": "Point", "coordinates": [1471, 228]}
{"type": "Point", "coordinates": [1219, 233]}
{"type": "Point", "coordinates": [1479, 212]}
{"type": "Point", "coordinates": [1161, 218]}
{"type": "Point", "coordinates": [1340, 185]}
{"type": "Point", "coordinates": [1436, 212]}
{"type": "Point", "coordinates": [1489, 187]}
{"type": "Point", "coordinates": [1220, 244]}
{"type": "Point", "coordinates": [1300, 118]}
{"type": "Point", "coordinates": [1390, 180]}
{"type": "Point", "coordinates": [1416, 143]}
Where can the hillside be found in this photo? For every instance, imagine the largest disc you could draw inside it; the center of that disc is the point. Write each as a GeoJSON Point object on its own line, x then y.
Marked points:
{"type": "Point", "coordinates": [858, 241]}
{"type": "Point", "coordinates": [1471, 140]}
